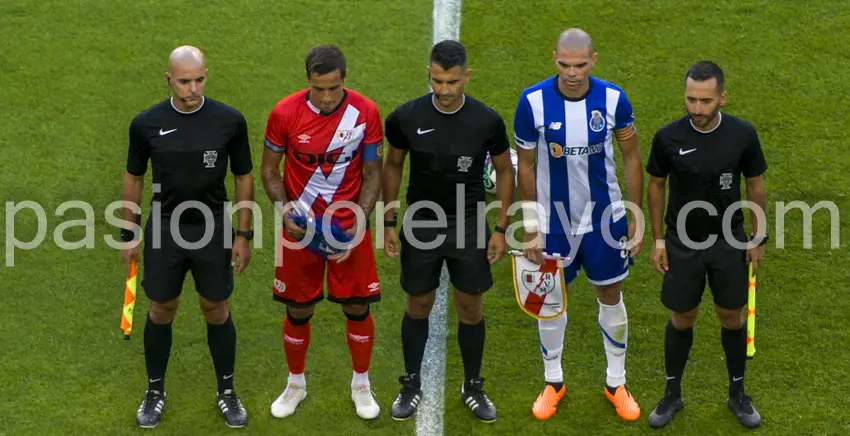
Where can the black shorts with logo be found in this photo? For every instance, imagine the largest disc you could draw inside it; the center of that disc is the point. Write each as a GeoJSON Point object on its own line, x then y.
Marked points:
{"type": "Point", "coordinates": [166, 262]}
{"type": "Point", "coordinates": [469, 269]}
{"type": "Point", "coordinates": [724, 265]}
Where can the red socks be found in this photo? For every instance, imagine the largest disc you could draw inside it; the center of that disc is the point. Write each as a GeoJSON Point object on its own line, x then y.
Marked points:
{"type": "Point", "coordinates": [360, 332]}
{"type": "Point", "coordinates": [296, 340]}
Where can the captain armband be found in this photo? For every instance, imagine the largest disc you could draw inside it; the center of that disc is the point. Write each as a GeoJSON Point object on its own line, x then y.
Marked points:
{"type": "Point", "coordinates": [626, 133]}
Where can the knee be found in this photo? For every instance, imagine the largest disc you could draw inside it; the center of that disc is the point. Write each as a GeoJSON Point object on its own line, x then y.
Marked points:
{"type": "Point", "coordinates": [356, 312]}
{"type": "Point", "coordinates": [684, 320]}
{"type": "Point", "coordinates": [300, 312]}
{"type": "Point", "coordinates": [732, 319]}
{"type": "Point", "coordinates": [469, 310]}
{"type": "Point", "coordinates": [215, 312]}
{"type": "Point", "coordinates": [609, 295]}
{"type": "Point", "coordinates": [419, 307]}
{"type": "Point", "coordinates": [163, 312]}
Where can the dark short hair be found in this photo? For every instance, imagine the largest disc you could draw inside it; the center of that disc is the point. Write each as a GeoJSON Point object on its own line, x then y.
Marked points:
{"type": "Point", "coordinates": [705, 70]}
{"type": "Point", "coordinates": [449, 54]}
{"type": "Point", "coordinates": [324, 59]}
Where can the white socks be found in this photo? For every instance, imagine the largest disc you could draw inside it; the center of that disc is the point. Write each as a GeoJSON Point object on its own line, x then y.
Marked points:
{"type": "Point", "coordinates": [615, 333]}
{"type": "Point", "coordinates": [551, 345]}
{"type": "Point", "coordinates": [360, 379]}
{"type": "Point", "coordinates": [297, 379]}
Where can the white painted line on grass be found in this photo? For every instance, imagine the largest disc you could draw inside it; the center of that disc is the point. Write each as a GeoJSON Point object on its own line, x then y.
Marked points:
{"type": "Point", "coordinates": [429, 418]}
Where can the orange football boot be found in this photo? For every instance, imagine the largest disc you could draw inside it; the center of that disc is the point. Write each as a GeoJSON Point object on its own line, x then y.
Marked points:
{"type": "Point", "coordinates": [624, 402]}
{"type": "Point", "coordinates": [547, 402]}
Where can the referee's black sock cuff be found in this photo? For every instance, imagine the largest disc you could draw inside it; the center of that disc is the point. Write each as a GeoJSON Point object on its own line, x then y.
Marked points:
{"type": "Point", "coordinates": [414, 337]}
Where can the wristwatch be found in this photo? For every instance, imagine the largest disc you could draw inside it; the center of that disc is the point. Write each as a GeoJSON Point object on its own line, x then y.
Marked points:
{"type": "Point", "coordinates": [761, 241]}
{"type": "Point", "coordinates": [500, 229]}
{"type": "Point", "coordinates": [247, 234]}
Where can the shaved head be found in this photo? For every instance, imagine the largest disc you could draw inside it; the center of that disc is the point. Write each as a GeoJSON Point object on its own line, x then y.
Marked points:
{"type": "Point", "coordinates": [574, 39]}
{"type": "Point", "coordinates": [186, 76]}
{"type": "Point", "coordinates": [186, 57]}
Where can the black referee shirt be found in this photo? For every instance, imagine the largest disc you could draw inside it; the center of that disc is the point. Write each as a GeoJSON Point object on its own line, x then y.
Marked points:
{"type": "Point", "coordinates": [189, 154]}
{"type": "Point", "coordinates": [446, 149]}
{"type": "Point", "coordinates": [706, 166]}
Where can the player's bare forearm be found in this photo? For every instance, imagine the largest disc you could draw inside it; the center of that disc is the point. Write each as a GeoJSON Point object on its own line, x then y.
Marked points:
{"type": "Point", "coordinates": [633, 168]}
{"type": "Point", "coordinates": [504, 186]}
{"type": "Point", "coordinates": [525, 175]}
{"type": "Point", "coordinates": [270, 173]}
{"type": "Point", "coordinates": [655, 196]}
{"type": "Point", "coordinates": [371, 186]}
{"type": "Point", "coordinates": [244, 192]}
{"type": "Point", "coordinates": [391, 178]}
{"type": "Point", "coordinates": [757, 194]}
{"type": "Point", "coordinates": [132, 193]}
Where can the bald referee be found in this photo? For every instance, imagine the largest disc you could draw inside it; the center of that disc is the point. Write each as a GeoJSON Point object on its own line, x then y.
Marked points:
{"type": "Point", "coordinates": [189, 139]}
{"type": "Point", "coordinates": [706, 155]}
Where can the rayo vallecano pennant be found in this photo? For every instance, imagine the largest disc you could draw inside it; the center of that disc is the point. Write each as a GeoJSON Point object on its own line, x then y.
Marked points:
{"type": "Point", "coordinates": [540, 289]}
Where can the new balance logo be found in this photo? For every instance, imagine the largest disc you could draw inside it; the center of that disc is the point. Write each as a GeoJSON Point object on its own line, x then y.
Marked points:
{"type": "Point", "coordinates": [555, 125]}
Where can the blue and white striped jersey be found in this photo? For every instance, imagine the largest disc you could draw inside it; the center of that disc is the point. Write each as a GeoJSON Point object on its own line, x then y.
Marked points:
{"type": "Point", "coordinates": [576, 170]}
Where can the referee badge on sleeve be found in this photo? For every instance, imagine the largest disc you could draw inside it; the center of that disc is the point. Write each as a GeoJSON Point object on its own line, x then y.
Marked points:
{"type": "Point", "coordinates": [539, 289]}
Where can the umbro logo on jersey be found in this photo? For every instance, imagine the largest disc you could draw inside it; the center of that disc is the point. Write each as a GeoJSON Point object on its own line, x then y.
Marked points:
{"type": "Point", "coordinates": [305, 138]}
{"type": "Point", "coordinates": [419, 131]}
{"type": "Point", "coordinates": [165, 132]}
{"type": "Point", "coordinates": [555, 125]}
{"type": "Point", "coordinates": [684, 152]}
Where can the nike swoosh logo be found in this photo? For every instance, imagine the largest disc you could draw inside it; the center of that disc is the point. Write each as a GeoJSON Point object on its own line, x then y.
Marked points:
{"type": "Point", "coordinates": [227, 377]}
{"type": "Point", "coordinates": [154, 380]}
{"type": "Point", "coordinates": [422, 132]}
{"type": "Point", "coordinates": [684, 152]}
{"type": "Point", "coordinates": [734, 379]}
{"type": "Point", "coordinates": [670, 378]}
{"type": "Point", "coordinates": [165, 132]}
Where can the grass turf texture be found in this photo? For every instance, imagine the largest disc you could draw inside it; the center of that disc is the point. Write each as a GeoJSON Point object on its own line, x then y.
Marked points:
{"type": "Point", "coordinates": [72, 75]}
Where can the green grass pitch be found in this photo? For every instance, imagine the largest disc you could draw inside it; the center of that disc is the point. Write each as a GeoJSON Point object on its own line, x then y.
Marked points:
{"type": "Point", "coordinates": [73, 74]}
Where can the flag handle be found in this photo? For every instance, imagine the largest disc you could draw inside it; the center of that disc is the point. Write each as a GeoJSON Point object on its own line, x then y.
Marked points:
{"type": "Point", "coordinates": [545, 255]}
{"type": "Point", "coordinates": [129, 301]}
{"type": "Point", "coordinates": [751, 315]}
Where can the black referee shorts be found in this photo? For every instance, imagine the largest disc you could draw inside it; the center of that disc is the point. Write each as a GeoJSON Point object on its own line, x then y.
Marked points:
{"type": "Point", "coordinates": [166, 263]}
{"type": "Point", "coordinates": [724, 265]}
{"type": "Point", "coordinates": [469, 270]}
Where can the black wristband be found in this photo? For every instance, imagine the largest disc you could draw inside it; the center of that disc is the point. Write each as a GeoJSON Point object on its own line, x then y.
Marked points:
{"type": "Point", "coordinates": [392, 223]}
{"type": "Point", "coordinates": [127, 235]}
{"type": "Point", "coordinates": [501, 229]}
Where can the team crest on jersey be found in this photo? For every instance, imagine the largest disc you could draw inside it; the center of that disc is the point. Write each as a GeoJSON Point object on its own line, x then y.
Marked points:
{"type": "Point", "coordinates": [597, 121]}
{"type": "Point", "coordinates": [726, 181]}
{"type": "Point", "coordinates": [556, 150]}
{"type": "Point", "coordinates": [210, 157]}
{"type": "Point", "coordinates": [345, 135]}
{"type": "Point", "coordinates": [463, 163]}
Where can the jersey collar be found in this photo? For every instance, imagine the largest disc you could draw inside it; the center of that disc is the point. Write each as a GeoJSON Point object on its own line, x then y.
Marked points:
{"type": "Point", "coordinates": [558, 90]}
{"type": "Point", "coordinates": [318, 111]}
{"type": "Point", "coordinates": [705, 132]}
{"type": "Point", "coordinates": [203, 100]}
{"type": "Point", "coordinates": [434, 103]}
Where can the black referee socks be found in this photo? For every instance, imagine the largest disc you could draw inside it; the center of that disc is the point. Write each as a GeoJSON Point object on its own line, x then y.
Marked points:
{"type": "Point", "coordinates": [677, 346]}
{"type": "Point", "coordinates": [157, 338]}
{"type": "Point", "coordinates": [222, 341]}
{"type": "Point", "coordinates": [470, 338]}
{"type": "Point", "coordinates": [735, 344]}
{"type": "Point", "coordinates": [414, 337]}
